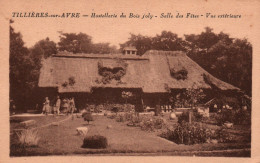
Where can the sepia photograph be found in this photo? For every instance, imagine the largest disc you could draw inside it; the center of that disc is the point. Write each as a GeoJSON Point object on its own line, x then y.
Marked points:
{"type": "Point", "coordinates": [119, 79]}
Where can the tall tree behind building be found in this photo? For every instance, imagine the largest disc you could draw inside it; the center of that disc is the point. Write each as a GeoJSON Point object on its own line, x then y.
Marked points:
{"type": "Point", "coordinates": [229, 59]}
{"type": "Point", "coordinates": [20, 68]}
{"type": "Point", "coordinates": [82, 43]}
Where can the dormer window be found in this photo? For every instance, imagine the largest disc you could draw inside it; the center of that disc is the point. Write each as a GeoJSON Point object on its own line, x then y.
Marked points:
{"type": "Point", "coordinates": [129, 50]}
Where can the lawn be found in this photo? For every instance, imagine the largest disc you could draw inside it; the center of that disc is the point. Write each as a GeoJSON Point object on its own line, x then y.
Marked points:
{"type": "Point", "coordinates": [62, 139]}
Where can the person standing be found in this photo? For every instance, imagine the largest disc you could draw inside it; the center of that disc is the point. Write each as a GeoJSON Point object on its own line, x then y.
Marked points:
{"type": "Point", "coordinates": [72, 107]}
{"type": "Point", "coordinates": [46, 106]}
{"type": "Point", "coordinates": [57, 105]}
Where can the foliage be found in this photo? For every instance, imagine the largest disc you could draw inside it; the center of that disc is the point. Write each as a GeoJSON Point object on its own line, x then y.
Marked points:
{"type": "Point", "coordinates": [194, 95]}
{"type": "Point", "coordinates": [72, 80]}
{"type": "Point", "coordinates": [189, 134]}
{"type": "Point", "coordinates": [229, 59]}
{"type": "Point", "coordinates": [179, 75]}
{"type": "Point", "coordinates": [115, 109]}
{"type": "Point", "coordinates": [96, 142]}
{"type": "Point", "coordinates": [22, 74]}
{"type": "Point", "coordinates": [165, 41]}
{"type": "Point", "coordinates": [82, 43]}
{"type": "Point", "coordinates": [157, 110]}
{"type": "Point", "coordinates": [236, 116]}
{"type": "Point", "coordinates": [226, 58]}
{"type": "Point", "coordinates": [108, 74]}
{"type": "Point", "coordinates": [147, 123]}
{"type": "Point", "coordinates": [87, 117]}
{"type": "Point", "coordinates": [28, 138]}
{"type": "Point", "coordinates": [120, 118]}
{"type": "Point", "coordinates": [195, 116]}
{"type": "Point", "coordinates": [224, 137]}
{"type": "Point", "coordinates": [126, 95]}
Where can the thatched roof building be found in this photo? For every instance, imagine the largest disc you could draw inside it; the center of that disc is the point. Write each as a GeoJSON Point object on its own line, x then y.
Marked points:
{"type": "Point", "coordinates": [151, 72]}
{"type": "Point", "coordinates": [101, 78]}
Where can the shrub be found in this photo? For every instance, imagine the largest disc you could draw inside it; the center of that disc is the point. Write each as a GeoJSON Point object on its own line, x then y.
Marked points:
{"type": "Point", "coordinates": [28, 138]}
{"type": "Point", "coordinates": [195, 116]}
{"type": "Point", "coordinates": [157, 110]}
{"type": "Point", "coordinates": [188, 134]}
{"type": "Point", "coordinates": [147, 125]}
{"type": "Point", "coordinates": [184, 117]}
{"type": "Point", "coordinates": [179, 75]}
{"type": "Point", "coordinates": [242, 117]}
{"type": "Point", "coordinates": [128, 108]}
{"type": "Point", "coordinates": [150, 124]}
{"type": "Point", "coordinates": [72, 81]}
{"type": "Point", "coordinates": [98, 109]}
{"type": "Point", "coordinates": [87, 117]}
{"type": "Point", "coordinates": [224, 137]}
{"type": "Point", "coordinates": [96, 141]}
{"type": "Point", "coordinates": [238, 116]}
{"type": "Point", "coordinates": [115, 109]}
{"type": "Point", "coordinates": [120, 118]}
{"type": "Point", "coordinates": [90, 108]}
{"type": "Point", "coordinates": [128, 116]}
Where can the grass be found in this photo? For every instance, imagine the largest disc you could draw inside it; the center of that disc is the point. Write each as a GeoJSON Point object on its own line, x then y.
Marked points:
{"type": "Point", "coordinates": [28, 138]}
{"type": "Point", "coordinates": [63, 140]}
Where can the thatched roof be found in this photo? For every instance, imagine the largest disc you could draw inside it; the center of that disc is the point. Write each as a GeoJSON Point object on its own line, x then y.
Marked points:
{"type": "Point", "coordinates": [130, 48]}
{"type": "Point", "coordinates": [150, 72]}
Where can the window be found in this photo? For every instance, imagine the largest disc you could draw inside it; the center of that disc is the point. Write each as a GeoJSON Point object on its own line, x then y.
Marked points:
{"type": "Point", "coordinates": [128, 52]}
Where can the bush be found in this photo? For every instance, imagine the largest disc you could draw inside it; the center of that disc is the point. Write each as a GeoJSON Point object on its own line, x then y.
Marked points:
{"type": "Point", "coordinates": [188, 134]}
{"type": "Point", "coordinates": [195, 116]}
{"type": "Point", "coordinates": [98, 109]}
{"type": "Point", "coordinates": [147, 125]}
{"type": "Point", "coordinates": [28, 138]}
{"type": "Point", "coordinates": [96, 142]}
{"type": "Point", "coordinates": [115, 109]}
{"type": "Point", "coordinates": [238, 116]}
{"type": "Point", "coordinates": [157, 110]}
{"type": "Point", "coordinates": [179, 75]}
{"type": "Point", "coordinates": [120, 118]}
{"type": "Point", "coordinates": [87, 116]}
{"type": "Point", "coordinates": [150, 124]}
{"type": "Point", "coordinates": [194, 133]}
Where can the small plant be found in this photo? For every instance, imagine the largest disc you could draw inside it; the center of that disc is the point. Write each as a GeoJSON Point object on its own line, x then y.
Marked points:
{"type": "Point", "coordinates": [28, 138]}
{"type": "Point", "coordinates": [87, 117]}
{"type": "Point", "coordinates": [179, 75]}
{"type": "Point", "coordinates": [72, 81]}
{"type": "Point", "coordinates": [96, 142]}
{"type": "Point", "coordinates": [193, 133]}
{"type": "Point", "coordinates": [195, 116]}
{"type": "Point", "coordinates": [65, 84]}
{"type": "Point", "coordinates": [126, 95]}
{"type": "Point", "coordinates": [120, 118]}
{"type": "Point", "coordinates": [109, 73]}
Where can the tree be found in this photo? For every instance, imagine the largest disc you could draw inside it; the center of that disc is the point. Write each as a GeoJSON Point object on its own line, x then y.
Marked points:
{"type": "Point", "coordinates": [75, 43]}
{"type": "Point", "coordinates": [142, 43]}
{"type": "Point", "coordinates": [41, 50]}
{"type": "Point", "coordinates": [194, 95]}
{"type": "Point", "coordinates": [103, 48]}
{"type": "Point", "coordinates": [20, 69]}
{"type": "Point", "coordinates": [82, 43]}
{"type": "Point", "coordinates": [226, 58]}
{"type": "Point", "coordinates": [166, 41]}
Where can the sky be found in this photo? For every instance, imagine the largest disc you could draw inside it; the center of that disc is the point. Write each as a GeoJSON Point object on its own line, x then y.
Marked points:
{"type": "Point", "coordinates": [117, 30]}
